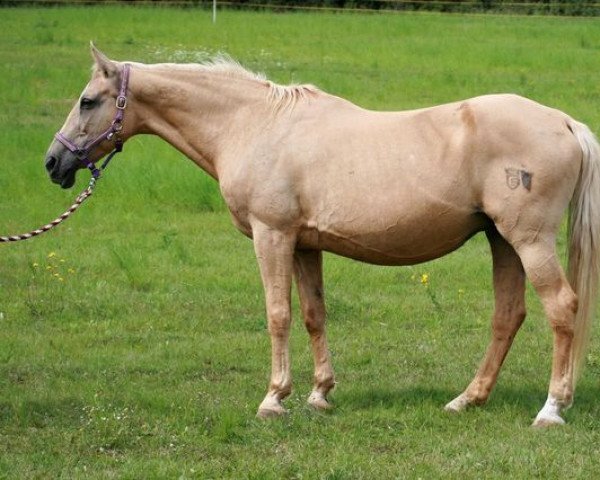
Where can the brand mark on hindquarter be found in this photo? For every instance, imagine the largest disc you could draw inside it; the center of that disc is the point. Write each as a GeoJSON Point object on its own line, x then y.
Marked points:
{"type": "Point", "coordinates": [516, 177]}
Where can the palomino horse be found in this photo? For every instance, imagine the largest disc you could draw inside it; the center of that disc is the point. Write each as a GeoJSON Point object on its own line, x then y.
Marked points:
{"type": "Point", "coordinates": [303, 171]}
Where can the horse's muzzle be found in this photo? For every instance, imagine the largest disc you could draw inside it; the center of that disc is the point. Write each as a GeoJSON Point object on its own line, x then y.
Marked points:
{"type": "Point", "coordinates": [61, 176]}
{"type": "Point", "coordinates": [51, 164]}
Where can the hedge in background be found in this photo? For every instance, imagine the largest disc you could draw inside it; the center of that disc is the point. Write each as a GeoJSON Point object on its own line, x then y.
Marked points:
{"type": "Point", "coordinates": [530, 7]}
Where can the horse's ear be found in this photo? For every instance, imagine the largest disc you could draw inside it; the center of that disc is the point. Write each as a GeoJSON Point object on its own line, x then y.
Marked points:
{"type": "Point", "coordinates": [107, 67]}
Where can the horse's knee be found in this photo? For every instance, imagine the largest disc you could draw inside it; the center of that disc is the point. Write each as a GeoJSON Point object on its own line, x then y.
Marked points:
{"type": "Point", "coordinates": [314, 320]}
{"type": "Point", "coordinates": [279, 319]}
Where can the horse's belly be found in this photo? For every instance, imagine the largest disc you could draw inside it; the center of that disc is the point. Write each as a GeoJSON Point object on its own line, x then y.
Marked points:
{"type": "Point", "coordinates": [397, 244]}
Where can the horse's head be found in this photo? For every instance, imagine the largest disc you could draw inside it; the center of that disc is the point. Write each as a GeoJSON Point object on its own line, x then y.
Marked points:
{"type": "Point", "coordinates": [94, 126]}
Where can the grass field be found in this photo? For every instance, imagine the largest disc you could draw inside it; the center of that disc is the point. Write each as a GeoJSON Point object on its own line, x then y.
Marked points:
{"type": "Point", "coordinates": [132, 339]}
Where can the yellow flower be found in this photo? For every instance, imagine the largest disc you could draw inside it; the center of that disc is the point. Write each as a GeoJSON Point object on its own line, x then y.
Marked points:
{"type": "Point", "coordinates": [48, 267]}
{"type": "Point", "coordinates": [424, 278]}
{"type": "Point", "coordinates": [35, 264]}
{"type": "Point", "coordinates": [52, 254]}
{"type": "Point", "coordinates": [70, 270]}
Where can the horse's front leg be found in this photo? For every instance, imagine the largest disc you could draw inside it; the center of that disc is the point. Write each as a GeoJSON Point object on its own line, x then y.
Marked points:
{"type": "Point", "coordinates": [308, 269]}
{"type": "Point", "coordinates": [274, 252]}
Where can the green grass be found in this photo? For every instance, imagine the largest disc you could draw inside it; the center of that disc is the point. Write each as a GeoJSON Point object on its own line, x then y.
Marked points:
{"type": "Point", "coordinates": [150, 357]}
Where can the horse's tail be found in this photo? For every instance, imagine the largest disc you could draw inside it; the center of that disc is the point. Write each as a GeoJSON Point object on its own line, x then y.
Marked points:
{"type": "Point", "coordinates": [584, 241]}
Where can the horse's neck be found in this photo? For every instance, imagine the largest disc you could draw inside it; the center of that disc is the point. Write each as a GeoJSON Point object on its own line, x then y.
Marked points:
{"type": "Point", "coordinates": [195, 111]}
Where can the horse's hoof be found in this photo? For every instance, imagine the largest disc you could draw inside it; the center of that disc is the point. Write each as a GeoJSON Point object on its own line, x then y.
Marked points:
{"type": "Point", "coordinates": [270, 408]}
{"type": "Point", "coordinates": [457, 405]}
{"type": "Point", "coordinates": [271, 412]}
{"type": "Point", "coordinates": [318, 401]}
{"type": "Point", "coordinates": [543, 421]}
{"type": "Point", "coordinates": [549, 415]}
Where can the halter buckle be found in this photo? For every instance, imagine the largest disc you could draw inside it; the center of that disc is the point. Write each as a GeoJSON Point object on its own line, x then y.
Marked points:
{"type": "Point", "coordinates": [121, 102]}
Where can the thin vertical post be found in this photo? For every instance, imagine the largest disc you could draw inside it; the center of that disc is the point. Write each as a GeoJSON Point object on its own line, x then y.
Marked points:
{"type": "Point", "coordinates": [214, 11]}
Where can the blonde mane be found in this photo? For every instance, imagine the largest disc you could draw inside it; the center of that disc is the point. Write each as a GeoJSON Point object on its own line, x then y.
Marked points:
{"type": "Point", "coordinates": [281, 97]}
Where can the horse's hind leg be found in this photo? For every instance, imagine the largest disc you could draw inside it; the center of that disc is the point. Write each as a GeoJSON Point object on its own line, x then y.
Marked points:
{"type": "Point", "coordinates": [560, 304]}
{"type": "Point", "coordinates": [509, 313]}
{"type": "Point", "coordinates": [308, 270]}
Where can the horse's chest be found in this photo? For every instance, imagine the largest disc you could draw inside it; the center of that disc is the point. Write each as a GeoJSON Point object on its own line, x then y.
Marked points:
{"type": "Point", "coordinates": [272, 202]}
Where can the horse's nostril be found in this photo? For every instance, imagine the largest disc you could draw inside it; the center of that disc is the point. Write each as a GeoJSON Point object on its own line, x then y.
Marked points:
{"type": "Point", "coordinates": [51, 163]}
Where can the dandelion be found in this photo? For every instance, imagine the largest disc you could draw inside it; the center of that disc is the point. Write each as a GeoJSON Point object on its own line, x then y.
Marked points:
{"type": "Point", "coordinates": [56, 275]}
{"type": "Point", "coordinates": [62, 260]}
{"type": "Point", "coordinates": [461, 292]}
{"type": "Point", "coordinates": [35, 265]}
{"type": "Point", "coordinates": [49, 267]}
{"type": "Point", "coordinates": [430, 291]}
{"type": "Point", "coordinates": [52, 254]}
{"type": "Point", "coordinates": [71, 271]}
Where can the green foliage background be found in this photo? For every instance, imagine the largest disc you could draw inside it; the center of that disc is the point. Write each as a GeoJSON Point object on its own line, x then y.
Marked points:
{"type": "Point", "coordinates": [522, 7]}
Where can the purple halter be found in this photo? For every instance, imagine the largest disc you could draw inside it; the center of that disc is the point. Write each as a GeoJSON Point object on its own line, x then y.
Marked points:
{"type": "Point", "coordinates": [112, 133]}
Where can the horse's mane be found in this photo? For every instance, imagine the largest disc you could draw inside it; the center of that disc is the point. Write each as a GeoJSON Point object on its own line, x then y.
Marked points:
{"type": "Point", "coordinates": [280, 96]}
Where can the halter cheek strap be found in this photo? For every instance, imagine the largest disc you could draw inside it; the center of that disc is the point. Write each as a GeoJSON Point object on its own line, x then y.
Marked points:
{"type": "Point", "coordinates": [113, 133]}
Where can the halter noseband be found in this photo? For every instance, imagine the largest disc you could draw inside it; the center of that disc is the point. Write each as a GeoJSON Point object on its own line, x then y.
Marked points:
{"type": "Point", "coordinates": [112, 133]}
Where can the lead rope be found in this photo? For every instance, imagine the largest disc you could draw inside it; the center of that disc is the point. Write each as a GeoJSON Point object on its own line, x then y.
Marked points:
{"type": "Point", "coordinates": [82, 197]}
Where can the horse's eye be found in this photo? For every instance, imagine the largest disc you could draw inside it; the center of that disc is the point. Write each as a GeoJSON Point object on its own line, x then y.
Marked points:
{"type": "Point", "coordinates": [86, 103]}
